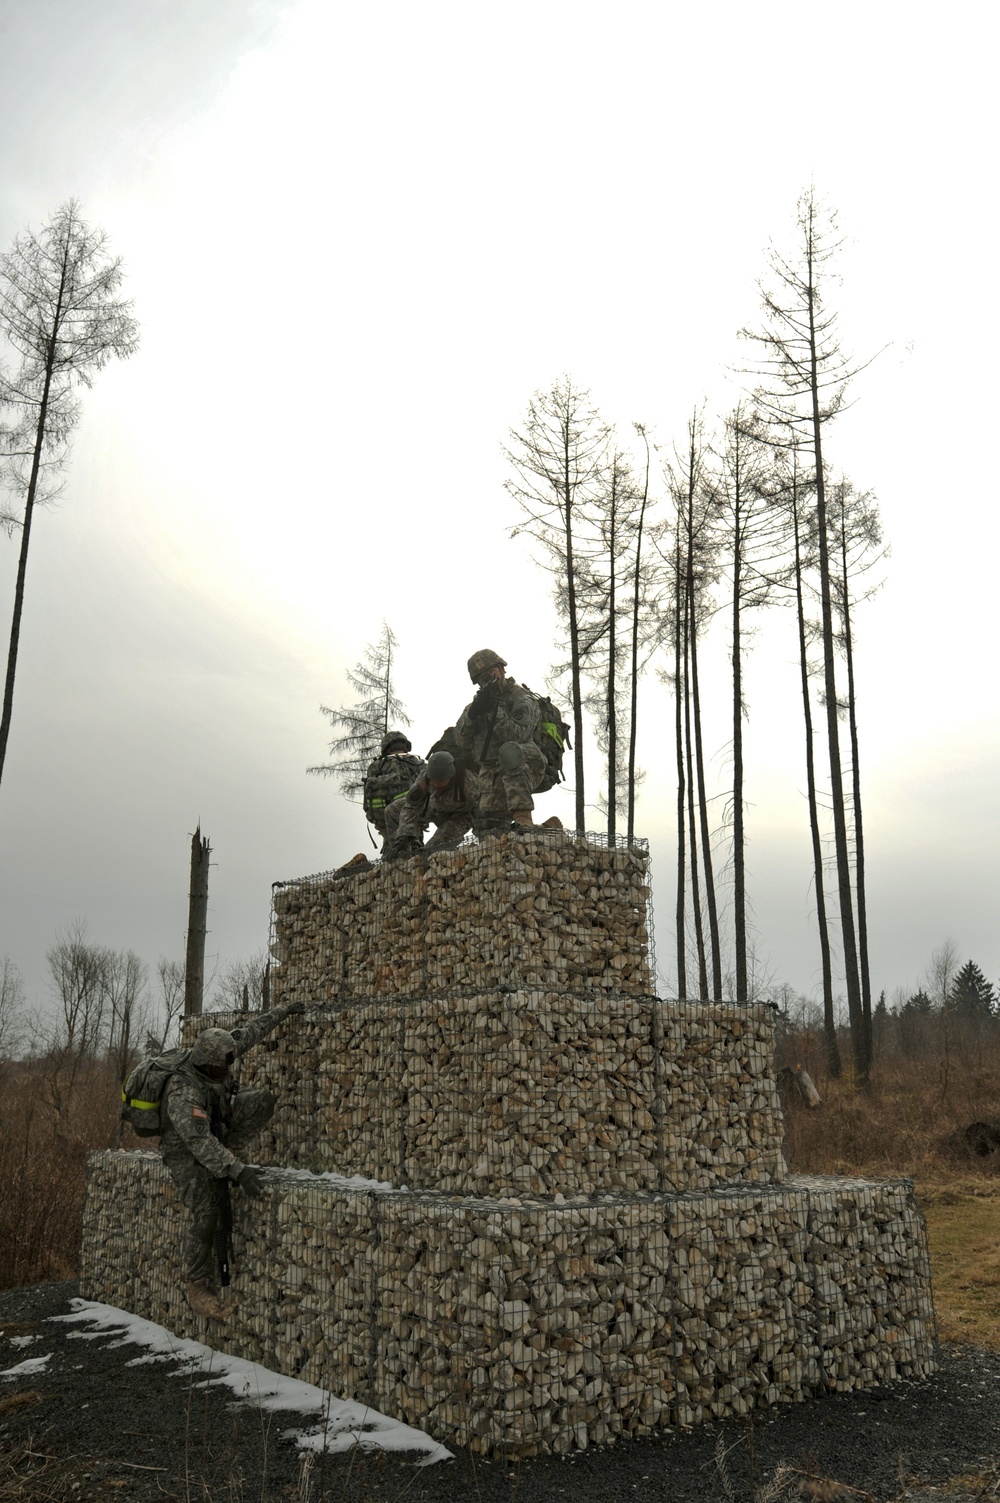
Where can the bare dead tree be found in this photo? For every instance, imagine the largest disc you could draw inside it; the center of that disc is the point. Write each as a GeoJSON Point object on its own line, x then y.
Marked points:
{"type": "Point", "coordinates": [749, 542]}
{"type": "Point", "coordinates": [361, 726]}
{"type": "Point", "coordinates": [12, 1019]}
{"type": "Point", "coordinates": [643, 617]}
{"type": "Point", "coordinates": [128, 1007]}
{"type": "Point", "coordinates": [170, 1001]}
{"type": "Point", "coordinates": [804, 375]}
{"type": "Point", "coordinates": [859, 543]}
{"type": "Point", "coordinates": [695, 573]}
{"type": "Point", "coordinates": [61, 316]}
{"type": "Point", "coordinates": [241, 981]}
{"type": "Point", "coordinates": [793, 497]}
{"type": "Point", "coordinates": [558, 459]}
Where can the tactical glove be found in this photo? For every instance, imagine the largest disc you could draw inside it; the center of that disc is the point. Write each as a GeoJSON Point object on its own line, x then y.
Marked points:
{"type": "Point", "coordinates": [485, 700]}
{"type": "Point", "coordinates": [251, 1182]}
{"type": "Point", "coordinates": [293, 1009]}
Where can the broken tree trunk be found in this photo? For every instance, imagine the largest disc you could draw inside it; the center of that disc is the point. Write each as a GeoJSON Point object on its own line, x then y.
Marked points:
{"type": "Point", "coordinates": [194, 964]}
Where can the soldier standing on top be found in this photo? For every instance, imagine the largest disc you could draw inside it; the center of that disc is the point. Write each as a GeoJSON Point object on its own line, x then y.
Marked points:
{"type": "Point", "coordinates": [500, 729]}
{"type": "Point", "coordinates": [387, 780]}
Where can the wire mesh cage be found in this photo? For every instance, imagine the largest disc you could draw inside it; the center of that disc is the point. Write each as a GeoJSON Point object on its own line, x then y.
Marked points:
{"type": "Point", "coordinates": [513, 1197]}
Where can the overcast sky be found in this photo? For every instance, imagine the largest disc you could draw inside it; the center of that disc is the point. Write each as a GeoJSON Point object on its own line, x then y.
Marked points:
{"type": "Point", "coordinates": [358, 238]}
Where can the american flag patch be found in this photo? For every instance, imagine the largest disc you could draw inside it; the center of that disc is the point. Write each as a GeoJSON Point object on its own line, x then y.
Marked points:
{"type": "Point", "coordinates": [199, 1111]}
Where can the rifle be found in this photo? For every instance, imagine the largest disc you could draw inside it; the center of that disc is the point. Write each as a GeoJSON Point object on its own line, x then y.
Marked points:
{"type": "Point", "coordinates": [493, 720]}
{"type": "Point", "coordinates": [223, 1230]}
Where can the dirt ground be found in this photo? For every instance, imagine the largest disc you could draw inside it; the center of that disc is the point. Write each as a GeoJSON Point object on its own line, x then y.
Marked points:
{"type": "Point", "coordinates": [89, 1428]}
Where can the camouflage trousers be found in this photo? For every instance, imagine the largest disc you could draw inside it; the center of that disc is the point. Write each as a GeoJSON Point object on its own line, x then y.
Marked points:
{"type": "Point", "coordinates": [199, 1190]}
{"type": "Point", "coordinates": [509, 787]}
{"type": "Point", "coordinates": [450, 827]}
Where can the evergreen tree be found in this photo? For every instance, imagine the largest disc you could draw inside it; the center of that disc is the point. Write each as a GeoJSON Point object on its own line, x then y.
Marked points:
{"type": "Point", "coordinates": [362, 725]}
{"type": "Point", "coordinates": [972, 996]}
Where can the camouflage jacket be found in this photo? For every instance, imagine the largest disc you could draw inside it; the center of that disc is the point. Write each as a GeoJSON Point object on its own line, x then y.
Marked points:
{"type": "Point", "coordinates": [460, 797]}
{"type": "Point", "coordinates": [196, 1109]}
{"type": "Point", "coordinates": [518, 719]}
{"type": "Point", "coordinates": [387, 779]}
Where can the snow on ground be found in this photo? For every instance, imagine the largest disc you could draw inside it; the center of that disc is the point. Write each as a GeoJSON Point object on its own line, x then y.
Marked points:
{"type": "Point", "coordinates": [342, 1423]}
{"type": "Point", "coordinates": [26, 1369]}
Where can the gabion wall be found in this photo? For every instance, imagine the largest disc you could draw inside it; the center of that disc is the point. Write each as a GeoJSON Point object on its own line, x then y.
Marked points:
{"type": "Point", "coordinates": [516, 1092]}
{"type": "Point", "coordinates": [528, 1326]}
{"type": "Point", "coordinates": [591, 1233]}
{"type": "Point", "coordinates": [543, 911]}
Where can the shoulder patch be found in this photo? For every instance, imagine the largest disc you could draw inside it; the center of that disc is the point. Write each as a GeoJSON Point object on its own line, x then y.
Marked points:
{"type": "Point", "coordinates": [199, 1111]}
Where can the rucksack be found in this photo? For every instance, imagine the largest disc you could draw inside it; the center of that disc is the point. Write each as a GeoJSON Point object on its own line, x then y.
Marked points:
{"type": "Point", "coordinates": [388, 779]}
{"type": "Point", "coordinates": [553, 738]}
{"type": "Point", "coordinates": [142, 1093]}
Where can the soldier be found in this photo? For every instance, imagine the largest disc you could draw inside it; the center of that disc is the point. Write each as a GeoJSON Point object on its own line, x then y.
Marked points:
{"type": "Point", "coordinates": [500, 730]}
{"type": "Point", "coordinates": [387, 780]}
{"type": "Point", "coordinates": [207, 1126]}
{"type": "Point", "coordinates": [445, 794]}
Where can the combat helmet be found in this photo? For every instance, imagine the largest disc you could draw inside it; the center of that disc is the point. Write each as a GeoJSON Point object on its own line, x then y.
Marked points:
{"type": "Point", "coordinates": [440, 766]}
{"type": "Point", "coordinates": [395, 739]}
{"type": "Point", "coordinates": [482, 661]}
{"type": "Point", "coordinates": [213, 1047]}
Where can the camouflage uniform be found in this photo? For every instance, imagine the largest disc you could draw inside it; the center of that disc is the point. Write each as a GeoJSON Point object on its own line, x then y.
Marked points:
{"type": "Point", "coordinates": [386, 782]}
{"type": "Point", "coordinates": [452, 809]}
{"type": "Point", "coordinates": [514, 765]}
{"type": "Point", "coordinates": [208, 1127]}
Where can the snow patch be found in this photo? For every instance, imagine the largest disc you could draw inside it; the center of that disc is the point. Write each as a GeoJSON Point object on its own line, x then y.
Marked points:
{"type": "Point", "coordinates": [22, 1340]}
{"type": "Point", "coordinates": [27, 1369]}
{"type": "Point", "coordinates": [341, 1423]}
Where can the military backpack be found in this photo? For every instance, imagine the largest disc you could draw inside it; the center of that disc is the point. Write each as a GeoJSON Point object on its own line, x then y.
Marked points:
{"type": "Point", "coordinates": [388, 779]}
{"type": "Point", "coordinates": [142, 1093]}
{"type": "Point", "coordinates": [553, 738]}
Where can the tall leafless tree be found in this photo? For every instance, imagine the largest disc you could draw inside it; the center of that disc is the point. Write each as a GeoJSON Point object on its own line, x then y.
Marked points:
{"type": "Point", "coordinates": [558, 459]}
{"type": "Point", "coordinates": [857, 530]}
{"type": "Point", "coordinates": [694, 573]}
{"type": "Point", "coordinates": [749, 544]}
{"type": "Point", "coordinates": [61, 316]}
{"type": "Point", "coordinates": [803, 374]}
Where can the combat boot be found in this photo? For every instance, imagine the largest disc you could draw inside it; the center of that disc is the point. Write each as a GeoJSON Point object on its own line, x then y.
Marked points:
{"type": "Point", "coordinates": [552, 823]}
{"type": "Point", "coordinates": [357, 864]}
{"type": "Point", "coordinates": [204, 1301]}
{"type": "Point", "coordinates": [522, 817]}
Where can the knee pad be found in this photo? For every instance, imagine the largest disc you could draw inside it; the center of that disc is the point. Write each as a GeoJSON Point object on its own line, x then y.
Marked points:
{"type": "Point", "coordinates": [511, 756]}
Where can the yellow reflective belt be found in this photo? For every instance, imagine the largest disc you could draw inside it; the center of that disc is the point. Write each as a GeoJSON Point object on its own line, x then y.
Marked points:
{"type": "Point", "coordinates": [145, 1106]}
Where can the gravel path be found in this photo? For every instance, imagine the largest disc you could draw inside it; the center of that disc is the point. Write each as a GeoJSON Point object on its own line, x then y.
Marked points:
{"type": "Point", "coordinates": [97, 1429]}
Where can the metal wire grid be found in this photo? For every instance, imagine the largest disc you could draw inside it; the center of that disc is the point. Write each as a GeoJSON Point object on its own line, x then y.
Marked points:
{"type": "Point", "coordinates": [527, 1093]}
{"type": "Point", "coordinates": [518, 1327]}
{"type": "Point", "coordinates": [521, 910]}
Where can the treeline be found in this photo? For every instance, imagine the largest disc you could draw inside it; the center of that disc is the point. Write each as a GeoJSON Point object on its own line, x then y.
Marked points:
{"type": "Point", "coordinates": [650, 546]}
{"type": "Point", "coordinates": [105, 1005]}
{"type": "Point", "coordinates": [952, 1013]}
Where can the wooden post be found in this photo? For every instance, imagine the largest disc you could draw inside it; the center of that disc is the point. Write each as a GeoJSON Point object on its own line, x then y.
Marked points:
{"type": "Point", "coordinates": [194, 965]}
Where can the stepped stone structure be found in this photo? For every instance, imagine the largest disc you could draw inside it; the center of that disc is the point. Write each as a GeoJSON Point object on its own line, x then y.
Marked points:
{"type": "Point", "coordinates": [513, 1197]}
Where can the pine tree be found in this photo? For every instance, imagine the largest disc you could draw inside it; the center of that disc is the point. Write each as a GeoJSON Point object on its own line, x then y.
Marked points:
{"type": "Point", "coordinates": [972, 996]}
{"type": "Point", "coordinates": [362, 725]}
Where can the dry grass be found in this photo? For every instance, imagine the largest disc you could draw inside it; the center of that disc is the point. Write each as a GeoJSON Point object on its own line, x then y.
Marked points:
{"type": "Point", "coordinates": [44, 1142]}
{"type": "Point", "coordinates": [909, 1122]}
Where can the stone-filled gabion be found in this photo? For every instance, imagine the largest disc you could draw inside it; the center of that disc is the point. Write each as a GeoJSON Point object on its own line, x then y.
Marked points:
{"type": "Point", "coordinates": [596, 1238]}
{"type": "Point", "coordinates": [524, 1092]}
{"type": "Point", "coordinates": [537, 1326]}
{"type": "Point", "coordinates": [542, 911]}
